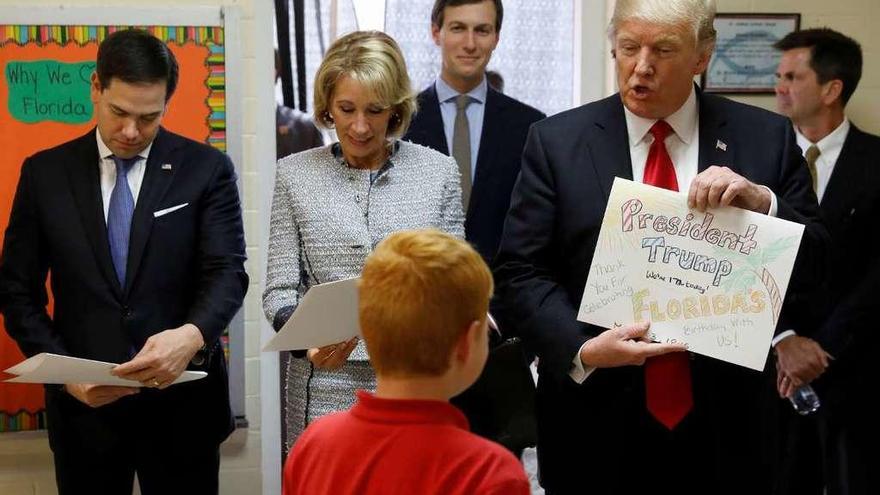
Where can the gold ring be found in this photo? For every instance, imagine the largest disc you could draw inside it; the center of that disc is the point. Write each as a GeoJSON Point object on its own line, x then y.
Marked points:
{"type": "Point", "coordinates": [156, 382]}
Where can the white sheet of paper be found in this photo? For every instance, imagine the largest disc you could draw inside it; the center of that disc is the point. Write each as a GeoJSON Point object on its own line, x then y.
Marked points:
{"type": "Point", "coordinates": [718, 287]}
{"type": "Point", "coordinates": [53, 368]}
{"type": "Point", "coordinates": [327, 314]}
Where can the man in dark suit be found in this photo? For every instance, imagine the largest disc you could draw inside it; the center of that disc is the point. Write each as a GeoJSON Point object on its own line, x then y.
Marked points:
{"type": "Point", "coordinates": [294, 130]}
{"type": "Point", "coordinates": [467, 32]}
{"type": "Point", "coordinates": [141, 232]}
{"type": "Point", "coordinates": [683, 423]}
{"type": "Point", "coordinates": [818, 73]}
{"type": "Point", "coordinates": [486, 138]}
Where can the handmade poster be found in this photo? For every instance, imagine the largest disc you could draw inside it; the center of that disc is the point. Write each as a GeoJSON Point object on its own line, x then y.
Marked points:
{"type": "Point", "coordinates": [713, 280]}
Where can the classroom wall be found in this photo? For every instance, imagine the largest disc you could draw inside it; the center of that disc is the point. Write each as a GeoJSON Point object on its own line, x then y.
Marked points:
{"type": "Point", "coordinates": [250, 462]}
{"type": "Point", "coordinates": [855, 18]}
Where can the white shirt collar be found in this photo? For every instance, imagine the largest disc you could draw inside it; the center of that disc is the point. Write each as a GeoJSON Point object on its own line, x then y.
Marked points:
{"type": "Point", "coordinates": [105, 153]}
{"type": "Point", "coordinates": [828, 145]}
{"type": "Point", "coordinates": [683, 121]}
{"type": "Point", "coordinates": [446, 93]}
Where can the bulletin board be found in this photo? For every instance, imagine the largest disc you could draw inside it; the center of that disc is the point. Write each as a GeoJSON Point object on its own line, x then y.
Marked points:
{"type": "Point", "coordinates": [47, 58]}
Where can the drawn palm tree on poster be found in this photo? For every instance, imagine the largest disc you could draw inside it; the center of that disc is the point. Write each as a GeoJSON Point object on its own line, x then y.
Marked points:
{"type": "Point", "coordinates": [753, 267]}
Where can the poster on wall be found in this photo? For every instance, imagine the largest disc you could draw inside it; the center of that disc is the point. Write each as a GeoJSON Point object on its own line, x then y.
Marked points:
{"type": "Point", "coordinates": [45, 100]}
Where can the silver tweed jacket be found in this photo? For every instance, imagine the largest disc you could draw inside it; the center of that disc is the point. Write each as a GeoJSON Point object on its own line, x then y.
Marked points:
{"type": "Point", "coordinates": [327, 217]}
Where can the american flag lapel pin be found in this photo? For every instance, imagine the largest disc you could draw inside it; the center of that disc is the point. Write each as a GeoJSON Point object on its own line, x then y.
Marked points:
{"type": "Point", "coordinates": [166, 166]}
{"type": "Point", "coordinates": [721, 145]}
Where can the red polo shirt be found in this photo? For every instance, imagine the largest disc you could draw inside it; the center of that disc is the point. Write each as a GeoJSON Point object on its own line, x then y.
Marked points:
{"type": "Point", "coordinates": [385, 446]}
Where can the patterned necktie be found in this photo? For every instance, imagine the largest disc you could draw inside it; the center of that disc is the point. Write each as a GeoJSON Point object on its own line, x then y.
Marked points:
{"type": "Point", "coordinates": [667, 377]}
{"type": "Point", "coordinates": [119, 216]}
{"type": "Point", "coordinates": [812, 155]}
{"type": "Point", "coordinates": [461, 147]}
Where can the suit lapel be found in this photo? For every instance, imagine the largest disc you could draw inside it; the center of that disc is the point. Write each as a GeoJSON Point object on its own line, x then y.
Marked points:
{"type": "Point", "coordinates": [610, 152]}
{"type": "Point", "coordinates": [156, 182]}
{"type": "Point", "coordinates": [846, 177]}
{"type": "Point", "coordinates": [431, 131]}
{"type": "Point", "coordinates": [85, 182]}
{"type": "Point", "coordinates": [716, 143]}
{"type": "Point", "coordinates": [490, 139]}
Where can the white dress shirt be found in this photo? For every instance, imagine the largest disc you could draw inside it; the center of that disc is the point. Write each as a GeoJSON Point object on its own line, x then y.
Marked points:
{"type": "Point", "coordinates": [829, 150]}
{"type": "Point", "coordinates": [107, 167]}
{"type": "Point", "coordinates": [683, 144]}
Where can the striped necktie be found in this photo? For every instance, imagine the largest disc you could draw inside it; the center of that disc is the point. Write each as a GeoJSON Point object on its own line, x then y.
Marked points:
{"type": "Point", "coordinates": [119, 216]}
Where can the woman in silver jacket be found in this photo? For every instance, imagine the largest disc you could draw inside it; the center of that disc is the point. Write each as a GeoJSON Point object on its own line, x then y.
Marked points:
{"type": "Point", "coordinates": [332, 205]}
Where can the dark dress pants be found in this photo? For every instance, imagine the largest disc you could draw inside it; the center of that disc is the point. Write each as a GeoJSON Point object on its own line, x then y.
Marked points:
{"type": "Point", "coordinates": [99, 450]}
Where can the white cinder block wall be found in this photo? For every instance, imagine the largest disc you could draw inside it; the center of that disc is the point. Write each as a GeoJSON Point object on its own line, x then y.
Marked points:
{"type": "Point", "coordinates": [250, 458]}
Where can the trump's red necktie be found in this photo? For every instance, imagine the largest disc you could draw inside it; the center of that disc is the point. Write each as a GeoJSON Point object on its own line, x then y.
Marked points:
{"type": "Point", "coordinates": [667, 377]}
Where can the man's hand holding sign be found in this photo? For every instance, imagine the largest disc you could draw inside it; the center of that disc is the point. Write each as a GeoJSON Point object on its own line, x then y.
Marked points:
{"type": "Point", "coordinates": [711, 279]}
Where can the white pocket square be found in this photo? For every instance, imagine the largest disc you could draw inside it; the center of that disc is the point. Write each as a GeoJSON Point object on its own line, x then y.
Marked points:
{"type": "Point", "coordinates": [157, 214]}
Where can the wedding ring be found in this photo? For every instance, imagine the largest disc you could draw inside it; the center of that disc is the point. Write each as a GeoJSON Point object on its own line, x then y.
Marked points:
{"type": "Point", "coordinates": [156, 382]}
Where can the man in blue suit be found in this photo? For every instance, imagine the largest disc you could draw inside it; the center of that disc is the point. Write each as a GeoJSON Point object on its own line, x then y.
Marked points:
{"type": "Point", "coordinates": [141, 232]}
{"type": "Point", "coordinates": [467, 32]}
{"type": "Point", "coordinates": [485, 133]}
{"type": "Point", "coordinates": [681, 423]}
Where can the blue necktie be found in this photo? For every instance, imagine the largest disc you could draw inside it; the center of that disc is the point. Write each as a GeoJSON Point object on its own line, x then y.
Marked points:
{"type": "Point", "coordinates": [119, 216]}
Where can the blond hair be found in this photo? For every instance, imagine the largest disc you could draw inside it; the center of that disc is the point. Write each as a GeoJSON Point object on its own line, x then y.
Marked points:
{"type": "Point", "coordinates": [698, 14]}
{"type": "Point", "coordinates": [420, 290]}
{"type": "Point", "coordinates": [374, 60]}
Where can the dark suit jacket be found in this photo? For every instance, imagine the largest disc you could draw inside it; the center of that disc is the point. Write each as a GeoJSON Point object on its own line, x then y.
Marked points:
{"type": "Point", "coordinates": [301, 133]}
{"type": "Point", "coordinates": [184, 266]}
{"type": "Point", "coordinates": [569, 163]}
{"type": "Point", "coordinates": [839, 318]}
{"type": "Point", "coordinates": [506, 123]}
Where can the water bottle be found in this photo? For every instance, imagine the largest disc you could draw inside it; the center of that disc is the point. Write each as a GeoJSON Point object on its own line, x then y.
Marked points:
{"type": "Point", "coordinates": [804, 400]}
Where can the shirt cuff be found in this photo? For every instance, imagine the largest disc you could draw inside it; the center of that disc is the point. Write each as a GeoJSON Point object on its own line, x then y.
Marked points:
{"type": "Point", "coordinates": [774, 206]}
{"type": "Point", "coordinates": [579, 372]}
{"type": "Point", "coordinates": [782, 335]}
